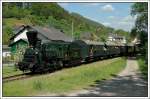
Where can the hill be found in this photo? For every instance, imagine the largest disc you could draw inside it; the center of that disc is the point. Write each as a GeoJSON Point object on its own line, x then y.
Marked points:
{"type": "Point", "coordinates": [50, 14]}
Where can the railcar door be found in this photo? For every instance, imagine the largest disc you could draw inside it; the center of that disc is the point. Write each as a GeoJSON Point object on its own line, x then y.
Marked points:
{"type": "Point", "coordinates": [74, 52]}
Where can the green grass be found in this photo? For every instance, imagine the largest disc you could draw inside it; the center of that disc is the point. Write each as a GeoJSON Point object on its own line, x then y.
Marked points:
{"type": "Point", "coordinates": [11, 22]}
{"type": "Point", "coordinates": [66, 80]}
{"type": "Point", "coordinates": [143, 67]}
{"type": "Point", "coordinates": [10, 71]}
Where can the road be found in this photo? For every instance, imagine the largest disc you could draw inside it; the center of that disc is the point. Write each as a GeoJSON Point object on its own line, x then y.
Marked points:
{"type": "Point", "coordinates": [128, 83]}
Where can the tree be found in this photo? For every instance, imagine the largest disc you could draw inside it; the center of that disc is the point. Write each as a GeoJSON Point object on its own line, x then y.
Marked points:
{"type": "Point", "coordinates": [13, 10]}
{"type": "Point", "coordinates": [140, 10]}
{"type": "Point", "coordinates": [7, 33]}
{"type": "Point", "coordinates": [77, 35]}
{"type": "Point", "coordinates": [48, 9]}
{"type": "Point", "coordinates": [133, 33]}
{"type": "Point", "coordinates": [103, 39]}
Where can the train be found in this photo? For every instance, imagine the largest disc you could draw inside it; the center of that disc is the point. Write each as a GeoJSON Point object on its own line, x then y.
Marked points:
{"type": "Point", "coordinates": [43, 56]}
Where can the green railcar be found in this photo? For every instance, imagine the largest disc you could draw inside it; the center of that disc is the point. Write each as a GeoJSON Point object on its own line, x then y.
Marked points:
{"type": "Point", "coordinates": [130, 50]}
{"type": "Point", "coordinates": [55, 50]}
{"type": "Point", "coordinates": [96, 49]}
{"type": "Point", "coordinates": [75, 51]}
{"type": "Point", "coordinates": [78, 51]}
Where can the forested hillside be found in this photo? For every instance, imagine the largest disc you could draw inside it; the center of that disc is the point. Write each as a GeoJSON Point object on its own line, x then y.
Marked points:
{"type": "Point", "coordinates": [51, 14]}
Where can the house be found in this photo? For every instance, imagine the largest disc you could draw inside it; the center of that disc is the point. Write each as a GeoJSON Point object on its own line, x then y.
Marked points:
{"type": "Point", "coordinates": [19, 45]}
{"type": "Point", "coordinates": [136, 41]}
{"type": "Point", "coordinates": [6, 54]}
{"type": "Point", "coordinates": [116, 38]}
{"type": "Point", "coordinates": [6, 51]}
{"type": "Point", "coordinates": [45, 33]}
{"type": "Point", "coordinates": [20, 41]}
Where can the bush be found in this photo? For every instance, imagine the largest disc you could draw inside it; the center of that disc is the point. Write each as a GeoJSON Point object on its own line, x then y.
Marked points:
{"type": "Point", "coordinates": [35, 20]}
{"type": "Point", "coordinates": [143, 67]}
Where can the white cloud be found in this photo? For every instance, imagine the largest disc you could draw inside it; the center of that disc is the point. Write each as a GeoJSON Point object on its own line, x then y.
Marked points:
{"type": "Point", "coordinates": [108, 8]}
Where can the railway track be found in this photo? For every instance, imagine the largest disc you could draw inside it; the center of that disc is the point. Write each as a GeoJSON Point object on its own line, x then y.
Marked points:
{"type": "Point", "coordinates": [29, 74]}
{"type": "Point", "coordinates": [16, 77]}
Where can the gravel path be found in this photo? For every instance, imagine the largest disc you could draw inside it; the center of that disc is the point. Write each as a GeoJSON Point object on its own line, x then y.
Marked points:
{"type": "Point", "coordinates": [127, 83]}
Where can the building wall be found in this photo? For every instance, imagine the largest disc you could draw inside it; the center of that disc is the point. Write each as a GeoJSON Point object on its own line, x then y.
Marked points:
{"type": "Point", "coordinates": [17, 50]}
{"type": "Point", "coordinates": [6, 53]}
{"type": "Point", "coordinates": [18, 46]}
{"type": "Point", "coordinates": [21, 36]}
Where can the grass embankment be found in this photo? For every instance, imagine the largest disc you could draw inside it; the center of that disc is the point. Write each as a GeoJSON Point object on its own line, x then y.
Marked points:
{"type": "Point", "coordinates": [10, 71]}
{"type": "Point", "coordinates": [11, 22]}
{"type": "Point", "coordinates": [65, 80]}
{"type": "Point", "coordinates": [143, 67]}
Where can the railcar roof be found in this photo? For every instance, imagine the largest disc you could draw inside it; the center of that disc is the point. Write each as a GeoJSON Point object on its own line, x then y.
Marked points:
{"type": "Point", "coordinates": [89, 42]}
{"type": "Point", "coordinates": [114, 44]}
{"type": "Point", "coordinates": [130, 44]}
{"type": "Point", "coordinates": [57, 42]}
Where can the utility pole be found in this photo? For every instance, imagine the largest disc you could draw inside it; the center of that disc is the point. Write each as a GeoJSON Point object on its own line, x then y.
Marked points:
{"type": "Point", "coordinates": [72, 29]}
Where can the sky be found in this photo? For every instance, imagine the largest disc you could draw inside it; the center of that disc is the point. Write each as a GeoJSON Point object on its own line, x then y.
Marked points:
{"type": "Point", "coordinates": [115, 15]}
